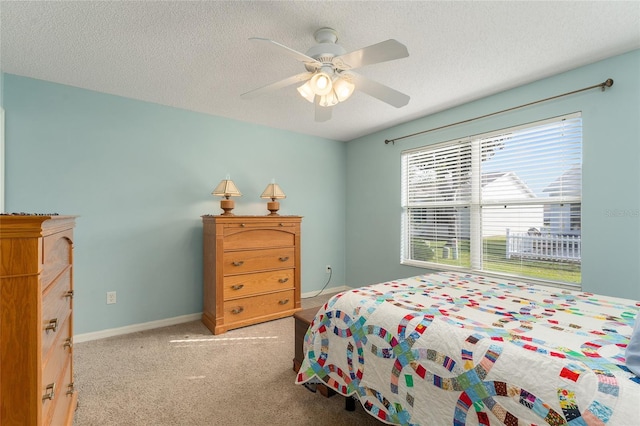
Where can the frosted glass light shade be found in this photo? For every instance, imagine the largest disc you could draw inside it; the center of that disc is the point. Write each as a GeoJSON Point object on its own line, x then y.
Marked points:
{"type": "Point", "coordinates": [306, 92]}
{"type": "Point", "coordinates": [321, 83]}
{"type": "Point", "coordinates": [343, 88]}
{"type": "Point", "coordinates": [329, 99]}
{"type": "Point", "coordinates": [329, 86]}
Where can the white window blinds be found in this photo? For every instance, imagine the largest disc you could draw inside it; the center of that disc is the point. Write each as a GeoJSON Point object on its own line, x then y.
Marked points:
{"type": "Point", "coordinates": [505, 202]}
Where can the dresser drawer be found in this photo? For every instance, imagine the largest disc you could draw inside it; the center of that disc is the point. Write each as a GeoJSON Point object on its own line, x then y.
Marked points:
{"type": "Point", "coordinates": [262, 224]}
{"type": "Point", "coordinates": [57, 255]}
{"type": "Point", "coordinates": [256, 306]}
{"type": "Point", "coordinates": [238, 262]}
{"type": "Point", "coordinates": [63, 409]}
{"type": "Point", "coordinates": [239, 238]}
{"type": "Point", "coordinates": [57, 248]}
{"type": "Point", "coordinates": [56, 307]}
{"type": "Point", "coordinates": [236, 286]}
{"type": "Point", "coordinates": [54, 382]}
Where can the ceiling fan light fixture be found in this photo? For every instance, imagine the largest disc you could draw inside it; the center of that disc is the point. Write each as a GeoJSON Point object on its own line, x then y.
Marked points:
{"type": "Point", "coordinates": [321, 83]}
{"type": "Point", "coordinates": [343, 88]}
{"type": "Point", "coordinates": [329, 99]}
{"type": "Point", "coordinates": [307, 92]}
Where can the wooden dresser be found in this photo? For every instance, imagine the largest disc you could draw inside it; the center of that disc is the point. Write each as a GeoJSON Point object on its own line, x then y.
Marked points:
{"type": "Point", "coordinates": [36, 321]}
{"type": "Point", "coordinates": [251, 270]}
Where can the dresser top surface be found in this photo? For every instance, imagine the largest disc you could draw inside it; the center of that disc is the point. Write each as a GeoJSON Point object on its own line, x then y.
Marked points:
{"type": "Point", "coordinates": [232, 219]}
{"type": "Point", "coordinates": [33, 225]}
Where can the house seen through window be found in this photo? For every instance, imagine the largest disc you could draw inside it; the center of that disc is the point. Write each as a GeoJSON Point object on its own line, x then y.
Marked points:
{"type": "Point", "coordinates": [506, 202]}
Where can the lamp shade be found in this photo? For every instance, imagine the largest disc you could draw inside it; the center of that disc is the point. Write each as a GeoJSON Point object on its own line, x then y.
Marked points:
{"type": "Point", "coordinates": [306, 92]}
{"type": "Point", "coordinates": [226, 188]}
{"type": "Point", "coordinates": [273, 191]}
{"type": "Point", "coordinates": [329, 99]}
{"type": "Point", "coordinates": [321, 83]}
{"type": "Point", "coordinates": [343, 88]}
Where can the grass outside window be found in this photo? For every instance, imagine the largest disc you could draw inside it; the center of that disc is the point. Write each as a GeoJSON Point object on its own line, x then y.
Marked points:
{"type": "Point", "coordinates": [494, 259]}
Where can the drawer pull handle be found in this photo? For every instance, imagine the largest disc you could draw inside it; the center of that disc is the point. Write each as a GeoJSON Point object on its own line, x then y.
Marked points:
{"type": "Point", "coordinates": [284, 258]}
{"type": "Point", "coordinates": [242, 225]}
{"type": "Point", "coordinates": [50, 392]}
{"type": "Point", "coordinates": [238, 310]}
{"type": "Point", "coordinates": [283, 280]}
{"type": "Point", "coordinates": [281, 224]}
{"type": "Point", "coordinates": [237, 286]}
{"type": "Point", "coordinates": [52, 325]}
{"type": "Point", "coordinates": [69, 294]}
{"type": "Point", "coordinates": [68, 343]}
{"type": "Point", "coordinates": [71, 388]}
{"type": "Point", "coordinates": [240, 263]}
{"type": "Point", "coordinates": [284, 302]}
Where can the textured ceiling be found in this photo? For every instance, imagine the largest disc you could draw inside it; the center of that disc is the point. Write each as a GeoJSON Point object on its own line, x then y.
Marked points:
{"type": "Point", "coordinates": [197, 55]}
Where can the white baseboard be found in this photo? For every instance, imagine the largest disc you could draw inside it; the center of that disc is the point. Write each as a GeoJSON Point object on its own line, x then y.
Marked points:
{"type": "Point", "coordinates": [102, 334]}
{"type": "Point", "coordinates": [85, 337]}
{"type": "Point", "coordinates": [325, 291]}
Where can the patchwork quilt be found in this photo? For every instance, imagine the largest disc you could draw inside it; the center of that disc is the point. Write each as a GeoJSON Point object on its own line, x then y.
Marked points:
{"type": "Point", "coordinates": [460, 349]}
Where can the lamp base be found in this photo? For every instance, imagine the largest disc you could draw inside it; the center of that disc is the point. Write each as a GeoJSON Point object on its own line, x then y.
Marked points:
{"type": "Point", "coordinates": [273, 207]}
{"type": "Point", "coordinates": [227, 206]}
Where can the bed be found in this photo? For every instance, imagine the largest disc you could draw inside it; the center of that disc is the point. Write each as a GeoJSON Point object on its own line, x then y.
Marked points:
{"type": "Point", "coordinates": [449, 348]}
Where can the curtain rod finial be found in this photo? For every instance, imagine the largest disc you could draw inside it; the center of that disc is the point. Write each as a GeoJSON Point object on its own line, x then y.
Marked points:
{"type": "Point", "coordinates": [387, 142]}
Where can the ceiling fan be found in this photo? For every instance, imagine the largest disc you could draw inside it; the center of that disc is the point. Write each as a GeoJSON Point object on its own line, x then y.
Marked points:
{"type": "Point", "coordinates": [329, 78]}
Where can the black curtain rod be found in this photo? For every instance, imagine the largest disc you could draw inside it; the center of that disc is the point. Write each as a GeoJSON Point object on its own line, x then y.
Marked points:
{"type": "Point", "coordinates": [607, 83]}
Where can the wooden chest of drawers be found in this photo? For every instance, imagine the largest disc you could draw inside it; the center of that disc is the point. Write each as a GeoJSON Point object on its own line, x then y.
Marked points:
{"type": "Point", "coordinates": [251, 270]}
{"type": "Point", "coordinates": [36, 320]}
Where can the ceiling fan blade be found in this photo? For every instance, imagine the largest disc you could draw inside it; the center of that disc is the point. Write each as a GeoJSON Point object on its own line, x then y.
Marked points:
{"type": "Point", "coordinates": [379, 91]}
{"type": "Point", "coordinates": [322, 113]}
{"type": "Point", "coordinates": [376, 53]}
{"type": "Point", "coordinates": [294, 53]}
{"type": "Point", "coordinates": [277, 85]}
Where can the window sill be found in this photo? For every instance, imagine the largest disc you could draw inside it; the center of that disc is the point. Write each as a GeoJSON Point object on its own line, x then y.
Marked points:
{"type": "Point", "coordinates": [493, 275]}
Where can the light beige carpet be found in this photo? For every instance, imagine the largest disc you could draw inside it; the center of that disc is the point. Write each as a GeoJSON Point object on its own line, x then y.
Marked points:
{"type": "Point", "coordinates": [184, 375]}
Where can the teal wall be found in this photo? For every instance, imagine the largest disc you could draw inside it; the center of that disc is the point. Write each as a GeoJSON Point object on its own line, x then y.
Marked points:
{"type": "Point", "coordinates": [140, 175]}
{"type": "Point", "coordinates": [611, 174]}
{"type": "Point", "coordinates": [1, 142]}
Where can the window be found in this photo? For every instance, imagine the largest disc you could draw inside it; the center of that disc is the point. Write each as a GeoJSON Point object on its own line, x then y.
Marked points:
{"type": "Point", "coordinates": [506, 202]}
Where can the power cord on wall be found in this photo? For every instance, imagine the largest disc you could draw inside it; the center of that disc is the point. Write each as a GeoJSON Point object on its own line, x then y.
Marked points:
{"type": "Point", "coordinates": [325, 286]}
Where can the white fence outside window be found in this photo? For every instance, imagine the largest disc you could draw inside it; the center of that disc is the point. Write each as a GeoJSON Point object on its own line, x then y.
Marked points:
{"type": "Point", "coordinates": [563, 248]}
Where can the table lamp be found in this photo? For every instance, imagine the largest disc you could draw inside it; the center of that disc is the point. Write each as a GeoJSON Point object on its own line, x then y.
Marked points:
{"type": "Point", "coordinates": [226, 188]}
{"type": "Point", "coordinates": [274, 192]}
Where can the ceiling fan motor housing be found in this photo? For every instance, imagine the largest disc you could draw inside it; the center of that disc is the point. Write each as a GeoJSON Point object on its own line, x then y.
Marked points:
{"type": "Point", "coordinates": [326, 49]}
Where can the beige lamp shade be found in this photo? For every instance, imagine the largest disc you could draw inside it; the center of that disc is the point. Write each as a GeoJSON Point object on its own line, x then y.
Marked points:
{"type": "Point", "coordinates": [226, 188]}
{"type": "Point", "coordinates": [273, 192]}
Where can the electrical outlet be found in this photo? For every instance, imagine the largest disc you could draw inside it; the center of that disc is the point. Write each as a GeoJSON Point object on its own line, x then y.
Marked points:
{"type": "Point", "coordinates": [328, 269]}
{"type": "Point", "coordinates": [111, 297]}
